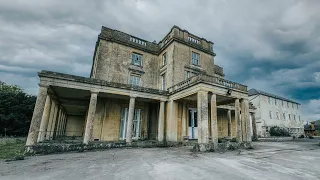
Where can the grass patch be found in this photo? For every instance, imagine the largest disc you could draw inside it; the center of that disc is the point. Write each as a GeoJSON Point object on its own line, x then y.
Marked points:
{"type": "Point", "coordinates": [12, 150]}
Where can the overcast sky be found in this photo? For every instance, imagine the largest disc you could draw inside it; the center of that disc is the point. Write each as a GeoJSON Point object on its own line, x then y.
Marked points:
{"type": "Point", "coordinates": [269, 45]}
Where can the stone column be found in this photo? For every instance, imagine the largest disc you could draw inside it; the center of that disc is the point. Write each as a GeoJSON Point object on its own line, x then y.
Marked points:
{"type": "Point", "coordinates": [254, 127]}
{"type": "Point", "coordinates": [37, 116]}
{"type": "Point", "coordinates": [55, 132]}
{"type": "Point", "coordinates": [184, 119]}
{"type": "Point", "coordinates": [238, 120]}
{"type": "Point", "coordinates": [203, 118]}
{"type": "Point", "coordinates": [214, 121]}
{"type": "Point", "coordinates": [54, 120]}
{"type": "Point", "coordinates": [229, 124]}
{"type": "Point", "coordinates": [52, 114]}
{"type": "Point", "coordinates": [90, 117]}
{"type": "Point", "coordinates": [245, 120]}
{"type": "Point", "coordinates": [130, 120]}
{"type": "Point", "coordinates": [171, 125]}
{"type": "Point", "coordinates": [45, 119]}
{"type": "Point", "coordinates": [61, 122]}
{"type": "Point", "coordinates": [161, 122]}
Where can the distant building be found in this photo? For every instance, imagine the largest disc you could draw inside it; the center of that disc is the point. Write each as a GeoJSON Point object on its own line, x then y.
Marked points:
{"type": "Point", "coordinates": [272, 110]}
{"type": "Point", "coordinates": [312, 129]}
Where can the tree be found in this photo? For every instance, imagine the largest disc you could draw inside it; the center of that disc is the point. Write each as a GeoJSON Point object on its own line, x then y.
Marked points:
{"type": "Point", "coordinates": [16, 109]}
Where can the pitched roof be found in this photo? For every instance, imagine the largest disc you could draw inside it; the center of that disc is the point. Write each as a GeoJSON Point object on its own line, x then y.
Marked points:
{"type": "Point", "coordinates": [252, 92]}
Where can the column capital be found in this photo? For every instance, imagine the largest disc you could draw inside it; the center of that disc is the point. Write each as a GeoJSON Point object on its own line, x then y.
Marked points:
{"type": "Point", "coordinates": [133, 96]}
{"type": "Point", "coordinates": [94, 91]}
{"type": "Point", "coordinates": [163, 100]}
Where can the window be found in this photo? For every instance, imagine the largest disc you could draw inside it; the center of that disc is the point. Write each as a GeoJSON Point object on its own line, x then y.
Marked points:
{"type": "Point", "coordinates": [294, 117]}
{"type": "Point", "coordinates": [299, 118]}
{"type": "Point", "coordinates": [188, 74]}
{"type": "Point", "coordinates": [137, 59]}
{"type": "Point", "coordinates": [269, 100]}
{"type": "Point", "coordinates": [195, 58]}
{"type": "Point", "coordinates": [164, 59]}
{"type": "Point", "coordinates": [297, 106]}
{"type": "Point", "coordinates": [289, 116]}
{"type": "Point", "coordinates": [287, 104]}
{"type": "Point", "coordinates": [270, 114]}
{"type": "Point", "coordinates": [277, 115]}
{"type": "Point", "coordinates": [275, 101]}
{"type": "Point", "coordinates": [135, 80]}
{"type": "Point", "coordinates": [282, 103]}
{"type": "Point", "coordinates": [284, 116]}
{"type": "Point", "coordinates": [163, 82]}
{"type": "Point", "coordinates": [292, 105]}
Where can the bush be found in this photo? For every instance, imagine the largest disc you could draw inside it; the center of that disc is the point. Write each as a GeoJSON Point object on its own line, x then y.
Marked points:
{"type": "Point", "coordinates": [234, 140]}
{"type": "Point", "coordinates": [278, 131]}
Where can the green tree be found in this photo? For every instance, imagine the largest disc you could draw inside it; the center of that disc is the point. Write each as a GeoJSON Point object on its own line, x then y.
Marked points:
{"type": "Point", "coordinates": [16, 108]}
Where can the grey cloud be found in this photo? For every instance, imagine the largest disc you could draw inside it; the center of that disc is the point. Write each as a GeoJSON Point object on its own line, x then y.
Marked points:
{"type": "Point", "coordinates": [264, 44]}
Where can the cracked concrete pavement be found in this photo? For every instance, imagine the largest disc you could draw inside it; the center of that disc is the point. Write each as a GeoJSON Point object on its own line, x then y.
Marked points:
{"type": "Point", "coordinates": [269, 160]}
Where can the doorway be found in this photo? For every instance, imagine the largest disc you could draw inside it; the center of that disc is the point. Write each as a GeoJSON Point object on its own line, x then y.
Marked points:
{"type": "Point", "coordinates": [137, 123]}
{"type": "Point", "coordinates": [193, 123]}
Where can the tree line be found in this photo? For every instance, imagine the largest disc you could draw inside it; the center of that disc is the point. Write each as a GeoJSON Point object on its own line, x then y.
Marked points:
{"type": "Point", "coordinates": [16, 109]}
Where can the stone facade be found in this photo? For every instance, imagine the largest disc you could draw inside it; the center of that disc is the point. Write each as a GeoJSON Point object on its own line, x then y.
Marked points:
{"type": "Point", "coordinates": [170, 91]}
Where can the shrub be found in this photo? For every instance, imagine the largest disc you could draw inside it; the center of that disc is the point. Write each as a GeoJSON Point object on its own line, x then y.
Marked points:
{"type": "Point", "coordinates": [234, 140]}
{"type": "Point", "coordinates": [278, 131]}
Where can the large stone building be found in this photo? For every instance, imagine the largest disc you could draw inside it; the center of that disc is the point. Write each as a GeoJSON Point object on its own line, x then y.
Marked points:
{"type": "Point", "coordinates": [141, 90]}
{"type": "Point", "coordinates": [272, 110]}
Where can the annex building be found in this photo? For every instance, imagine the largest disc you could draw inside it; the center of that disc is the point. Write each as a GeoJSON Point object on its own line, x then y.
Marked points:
{"type": "Point", "coordinates": [140, 90]}
{"type": "Point", "coordinates": [272, 110]}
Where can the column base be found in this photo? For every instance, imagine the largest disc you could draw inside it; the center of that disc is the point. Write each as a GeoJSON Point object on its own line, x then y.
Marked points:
{"type": "Point", "coordinates": [204, 147]}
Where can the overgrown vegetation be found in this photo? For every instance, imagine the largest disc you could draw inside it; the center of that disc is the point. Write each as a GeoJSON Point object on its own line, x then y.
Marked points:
{"type": "Point", "coordinates": [16, 108]}
{"type": "Point", "coordinates": [12, 150]}
{"type": "Point", "coordinates": [278, 131]}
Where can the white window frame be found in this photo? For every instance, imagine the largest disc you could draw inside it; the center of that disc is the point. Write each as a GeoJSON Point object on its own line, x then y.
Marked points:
{"type": "Point", "coordinates": [163, 81]}
{"type": "Point", "coordinates": [195, 59]}
{"type": "Point", "coordinates": [164, 59]}
{"type": "Point", "coordinates": [135, 80]}
{"type": "Point", "coordinates": [270, 114]}
{"type": "Point", "coordinates": [137, 59]}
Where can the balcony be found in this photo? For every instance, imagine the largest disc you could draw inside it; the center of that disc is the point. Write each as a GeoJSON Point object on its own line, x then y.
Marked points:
{"type": "Point", "coordinates": [201, 78]}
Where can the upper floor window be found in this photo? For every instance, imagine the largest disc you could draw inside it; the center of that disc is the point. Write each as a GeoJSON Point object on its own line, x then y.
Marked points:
{"type": "Point", "coordinates": [270, 114]}
{"type": "Point", "coordinates": [282, 103]}
{"type": "Point", "coordinates": [195, 58]}
{"type": "Point", "coordinates": [277, 115]}
{"type": "Point", "coordinates": [292, 105]}
{"type": "Point", "coordinates": [289, 116]}
{"type": "Point", "coordinates": [294, 117]}
{"type": "Point", "coordinates": [275, 101]}
{"type": "Point", "coordinates": [135, 80]}
{"type": "Point", "coordinates": [297, 106]}
{"type": "Point", "coordinates": [163, 82]}
{"type": "Point", "coordinates": [137, 59]}
{"type": "Point", "coordinates": [284, 116]}
{"type": "Point", "coordinates": [287, 104]}
{"type": "Point", "coordinates": [269, 100]}
{"type": "Point", "coordinates": [164, 59]}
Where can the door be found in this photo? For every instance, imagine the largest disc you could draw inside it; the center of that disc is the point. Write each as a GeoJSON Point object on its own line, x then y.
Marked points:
{"type": "Point", "coordinates": [193, 124]}
{"type": "Point", "coordinates": [137, 123]}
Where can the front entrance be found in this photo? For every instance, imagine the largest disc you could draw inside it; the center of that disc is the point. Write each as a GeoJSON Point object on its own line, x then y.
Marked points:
{"type": "Point", "coordinates": [137, 123]}
{"type": "Point", "coordinates": [193, 124]}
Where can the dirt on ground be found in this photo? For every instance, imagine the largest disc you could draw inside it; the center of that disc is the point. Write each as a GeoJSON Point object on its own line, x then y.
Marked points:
{"type": "Point", "coordinates": [268, 160]}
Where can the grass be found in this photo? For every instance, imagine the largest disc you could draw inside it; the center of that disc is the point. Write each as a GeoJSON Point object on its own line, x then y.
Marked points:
{"type": "Point", "coordinates": [12, 150]}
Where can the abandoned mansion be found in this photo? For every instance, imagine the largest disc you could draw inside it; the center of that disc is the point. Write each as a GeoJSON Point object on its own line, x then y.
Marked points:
{"type": "Point", "coordinates": [138, 90]}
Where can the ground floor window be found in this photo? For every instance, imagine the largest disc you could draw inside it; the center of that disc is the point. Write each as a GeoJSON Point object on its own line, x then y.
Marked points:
{"type": "Point", "coordinates": [137, 123]}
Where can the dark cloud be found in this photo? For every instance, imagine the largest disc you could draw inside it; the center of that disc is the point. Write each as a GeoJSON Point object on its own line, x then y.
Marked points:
{"type": "Point", "coordinates": [269, 45]}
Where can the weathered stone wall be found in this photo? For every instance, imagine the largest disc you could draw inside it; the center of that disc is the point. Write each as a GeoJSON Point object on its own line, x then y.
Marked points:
{"type": "Point", "coordinates": [75, 125]}
{"type": "Point", "coordinates": [183, 61]}
{"type": "Point", "coordinates": [108, 118]}
{"type": "Point", "coordinates": [115, 65]}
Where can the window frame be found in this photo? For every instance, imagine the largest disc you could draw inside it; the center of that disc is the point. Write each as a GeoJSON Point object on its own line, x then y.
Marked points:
{"type": "Point", "coordinates": [270, 114]}
{"type": "Point", "coordinates": [133, 61]}
{"type": "Point", "coordinates": [132, 76]}
{"type": "Point", "coordinates": [163, 82]}
{"type": "Point", "coordinates": [164, 59]}
{"type": "Point", "coordinates": [193, 59]}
